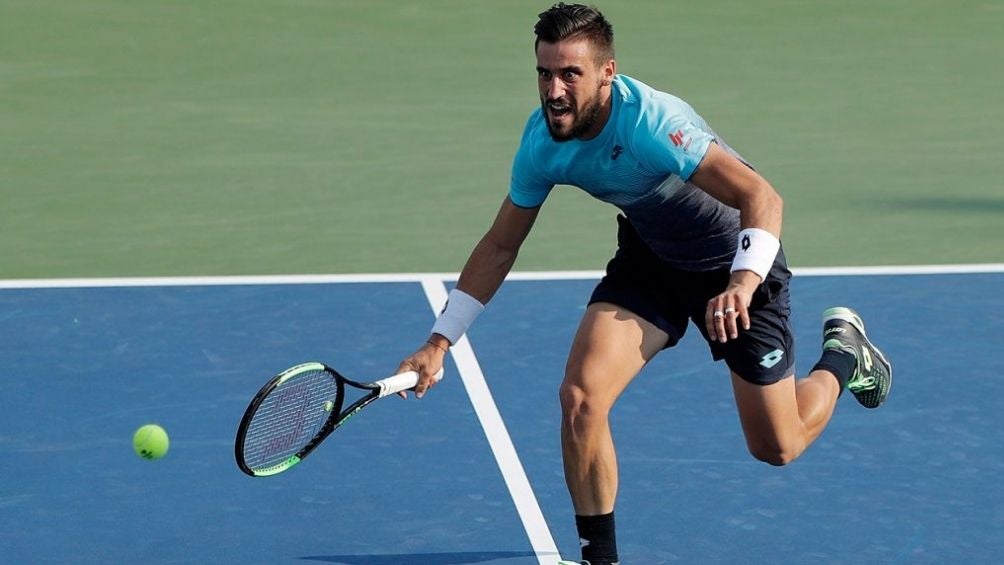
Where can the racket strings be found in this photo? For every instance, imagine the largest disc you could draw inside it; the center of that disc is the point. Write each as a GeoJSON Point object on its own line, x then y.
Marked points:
{"type": "Point", "coordinates": [288, 418]}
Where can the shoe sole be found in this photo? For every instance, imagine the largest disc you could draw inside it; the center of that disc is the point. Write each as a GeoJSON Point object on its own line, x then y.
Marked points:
{"type": "Point", "coordinates": [851, 317]}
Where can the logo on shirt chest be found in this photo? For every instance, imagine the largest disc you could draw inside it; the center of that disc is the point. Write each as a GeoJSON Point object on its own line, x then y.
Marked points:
{"type": "Point", "coordinates": [616, 152]}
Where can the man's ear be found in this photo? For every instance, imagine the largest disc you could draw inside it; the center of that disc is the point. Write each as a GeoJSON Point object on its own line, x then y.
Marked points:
{"type": "Point", "coordinates": [609, 71]}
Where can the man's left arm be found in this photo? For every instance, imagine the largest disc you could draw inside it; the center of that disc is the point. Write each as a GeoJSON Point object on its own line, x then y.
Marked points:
{"type": "Point", "coordinates": [730, 181]}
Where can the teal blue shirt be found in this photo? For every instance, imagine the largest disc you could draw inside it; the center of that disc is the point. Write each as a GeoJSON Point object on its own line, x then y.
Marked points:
{"type": "Point", "coordinates": [640, 162]}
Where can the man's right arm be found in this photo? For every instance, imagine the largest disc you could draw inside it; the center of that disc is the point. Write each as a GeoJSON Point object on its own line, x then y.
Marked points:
{"type": "Point", "coordinates": [482, 275]}
{"type": "Point", "coordinates": [495, 254]}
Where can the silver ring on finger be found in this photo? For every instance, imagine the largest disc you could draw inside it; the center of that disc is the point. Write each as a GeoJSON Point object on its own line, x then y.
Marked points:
{"type": "Point", "coordinates": [730, 310]}
{"type": "Point", "coordinates": [718, 314]}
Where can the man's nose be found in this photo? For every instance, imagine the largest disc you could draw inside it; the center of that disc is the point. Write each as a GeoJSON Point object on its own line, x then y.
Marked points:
{"type": "Point", "coordinates": [555, 88]}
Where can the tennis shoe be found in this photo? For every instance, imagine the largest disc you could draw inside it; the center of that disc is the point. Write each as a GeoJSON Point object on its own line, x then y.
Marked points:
{"type": "Point", "coordinates": [844, 330]}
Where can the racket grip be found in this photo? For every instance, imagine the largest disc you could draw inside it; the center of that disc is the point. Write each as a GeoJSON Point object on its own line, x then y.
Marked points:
{"type": "Point", "coordinates": [403, 381]}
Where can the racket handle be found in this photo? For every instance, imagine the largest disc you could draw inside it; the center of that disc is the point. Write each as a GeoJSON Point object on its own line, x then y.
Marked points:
{"type": "Point", "coordinates": [403, 381]}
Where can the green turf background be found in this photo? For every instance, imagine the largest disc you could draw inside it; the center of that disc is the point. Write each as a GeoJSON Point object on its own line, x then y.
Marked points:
{"type": "Point", "coordinates": [298, 136]}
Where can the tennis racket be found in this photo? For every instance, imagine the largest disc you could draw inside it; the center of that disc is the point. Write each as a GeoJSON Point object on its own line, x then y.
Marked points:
{"type": "Point", "coordinates": [293, 413]}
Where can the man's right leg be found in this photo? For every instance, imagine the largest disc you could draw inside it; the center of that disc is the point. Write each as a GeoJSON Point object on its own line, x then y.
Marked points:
{"type": "Point", "coordinates": [611, 346]}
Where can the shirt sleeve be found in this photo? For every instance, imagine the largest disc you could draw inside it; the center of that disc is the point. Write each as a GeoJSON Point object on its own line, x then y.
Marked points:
{"type": "Point", "coordinates": [673, 143]}
{"type": "Point", "coordinates": [528, 187]}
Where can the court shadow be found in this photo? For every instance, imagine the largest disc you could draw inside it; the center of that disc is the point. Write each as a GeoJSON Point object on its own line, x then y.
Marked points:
{"type": "Point", "coordinates": [455, 558]}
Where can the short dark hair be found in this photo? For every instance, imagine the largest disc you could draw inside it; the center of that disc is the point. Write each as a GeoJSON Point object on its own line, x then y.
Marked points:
{"type": "Point", "coordinates": [576, 21]}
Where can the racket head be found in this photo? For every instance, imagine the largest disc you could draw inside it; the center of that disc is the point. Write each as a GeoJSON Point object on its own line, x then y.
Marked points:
{"type": "Point", "coordinates": [288, 418]}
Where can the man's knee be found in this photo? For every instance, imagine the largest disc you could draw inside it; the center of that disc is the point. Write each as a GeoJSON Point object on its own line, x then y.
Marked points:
{"type": "Point", "coordinates": [579, 409]}
{"type": "Point", "coordinates": [574, 400]}
{"type": "Point", "coordinates": [773, 452]}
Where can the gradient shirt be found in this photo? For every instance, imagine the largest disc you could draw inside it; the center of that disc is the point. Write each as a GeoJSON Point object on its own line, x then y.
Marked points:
{"type": "Point", "coordinates": [640, 162]}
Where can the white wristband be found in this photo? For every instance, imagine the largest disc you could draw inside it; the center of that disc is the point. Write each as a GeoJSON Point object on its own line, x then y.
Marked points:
{"type": "Point", "coordinates": [460, 312]}
{"type": "Point", "coordinates": [757, 250]}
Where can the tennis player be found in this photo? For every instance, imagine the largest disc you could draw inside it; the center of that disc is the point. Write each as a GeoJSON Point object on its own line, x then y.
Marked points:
{"type": "Point", "coordinates": [698, 241]}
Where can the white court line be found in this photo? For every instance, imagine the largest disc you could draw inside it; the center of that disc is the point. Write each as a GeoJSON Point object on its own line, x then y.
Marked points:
{"type": "Point", "coordinates": [513, 473]}
{"type": "Point", "coordinates": [238, 280]}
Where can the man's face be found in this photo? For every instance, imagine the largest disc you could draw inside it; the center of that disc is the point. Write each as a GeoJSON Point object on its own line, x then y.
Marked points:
{"type": "Point", "coordinates": [574, 89]}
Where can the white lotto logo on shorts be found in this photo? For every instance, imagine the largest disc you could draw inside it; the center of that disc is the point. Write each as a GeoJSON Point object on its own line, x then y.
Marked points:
{"type": "Point", "coordinates": [772, 358]}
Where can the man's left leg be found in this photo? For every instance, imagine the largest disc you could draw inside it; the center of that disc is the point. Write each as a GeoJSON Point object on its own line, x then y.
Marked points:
{"type": "Point", "coordinates": [781, 419]}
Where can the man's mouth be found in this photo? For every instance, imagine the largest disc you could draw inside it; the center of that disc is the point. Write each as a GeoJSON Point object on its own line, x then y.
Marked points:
{"type": "Point", "coordinates": [558, 109]}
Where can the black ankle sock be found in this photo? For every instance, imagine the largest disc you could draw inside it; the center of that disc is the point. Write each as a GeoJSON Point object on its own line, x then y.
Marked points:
{"type": "Point", "coordinates": [598, 538]}
{"type": "Point", "coordinates": [840, 363]}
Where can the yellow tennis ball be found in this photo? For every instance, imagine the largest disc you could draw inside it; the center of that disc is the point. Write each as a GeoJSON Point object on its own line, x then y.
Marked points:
{"type": "Point", "coordinates": [150, 442]}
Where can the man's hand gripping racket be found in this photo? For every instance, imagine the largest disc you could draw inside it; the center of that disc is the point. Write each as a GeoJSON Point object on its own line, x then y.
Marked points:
{"type": "Point", "coordinates": [295, 410]}
{"type": "Point", "coordinates": [428, 363]}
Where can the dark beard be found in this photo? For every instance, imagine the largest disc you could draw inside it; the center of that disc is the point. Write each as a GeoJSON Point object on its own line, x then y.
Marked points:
{"type": "Point", "coordinates": [583, 122]}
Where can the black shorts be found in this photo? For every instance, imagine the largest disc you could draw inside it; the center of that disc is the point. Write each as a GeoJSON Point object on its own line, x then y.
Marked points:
{"type": "Point", "coordinates": [638, 280]}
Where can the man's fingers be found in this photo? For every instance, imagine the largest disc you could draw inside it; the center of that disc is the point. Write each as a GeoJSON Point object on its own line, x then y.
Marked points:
{"type": "Point", "coordinates": [404, 368]}
{"type": "Point", "coordinates": [428, 363]}
{"type": "Point", "coordinates": [731, 319]}
{"type": "Point", "coordinates": [726, 314]}
{"type": "Point", "coordinates": [744, 316]}
{"type": "Point", "coordinates": [711, 318]}
{"type": "Point", "coordinates": [428, 378]}
{"type": "Point", "coordinates": [423, 384]}
{"type": "Point", "coordinates": [715, 318]}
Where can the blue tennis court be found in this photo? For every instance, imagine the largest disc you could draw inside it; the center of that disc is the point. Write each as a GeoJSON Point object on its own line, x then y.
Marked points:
{"type": "Point", "coordinates": [472, 473]}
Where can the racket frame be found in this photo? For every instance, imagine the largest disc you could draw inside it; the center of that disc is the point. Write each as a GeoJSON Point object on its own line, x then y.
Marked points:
{"type": "Point", "coordinates": [336, 416]}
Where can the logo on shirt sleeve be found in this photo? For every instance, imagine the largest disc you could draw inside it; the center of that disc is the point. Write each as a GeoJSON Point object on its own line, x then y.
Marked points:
{"type": "Point", "coordinates": [679, 140]}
